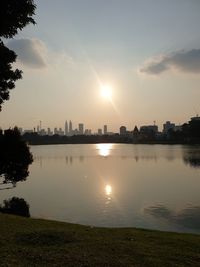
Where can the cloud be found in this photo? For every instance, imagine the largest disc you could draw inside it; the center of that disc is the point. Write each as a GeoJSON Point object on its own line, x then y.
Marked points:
{"type": "Point", "coordinates": [184, 61]}
{"type": "Point", "coordinates": [30, 52]}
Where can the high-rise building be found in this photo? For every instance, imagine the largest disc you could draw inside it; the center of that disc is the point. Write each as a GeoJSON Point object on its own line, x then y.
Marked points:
{"type": "Point", "coordinates": [122, 130]}
{"type": "Point", "coordinates": [55, 130]}
{"type": "Point", "coordinates": [167, 126]}
{"type": "Point", "coordinates": [81, 128]}
{"type": "Point", "coordinates": [48, 131]}
{"type": "Point", "coordinates": [105, 129]}
{"type": "Point", "coordinates": [66, 128]}
{"type": "Point", "coordinates": [70, 128]}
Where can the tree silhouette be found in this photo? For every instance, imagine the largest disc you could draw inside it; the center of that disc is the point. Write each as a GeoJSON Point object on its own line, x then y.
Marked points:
{"type": "Point", "coordinates": [15, 157]}
{"type": "Point", "coordinates": [14, 16]}
{"type": "Point", "coordinates": [15, 205]}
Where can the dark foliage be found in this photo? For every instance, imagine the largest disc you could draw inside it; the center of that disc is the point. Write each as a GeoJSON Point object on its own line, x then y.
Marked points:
{"type": "Point", "coordinates": [15, 157]}
{"type": "Point", "coordinates": [14, 15]}
{"type": "Point", "coordinates": [16, 206]}
{"type": "Point", "coordinates": [7, 75]}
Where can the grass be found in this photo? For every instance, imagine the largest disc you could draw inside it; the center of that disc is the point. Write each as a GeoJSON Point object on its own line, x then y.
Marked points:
{"type": "Point", "coordinates": [33, 242]}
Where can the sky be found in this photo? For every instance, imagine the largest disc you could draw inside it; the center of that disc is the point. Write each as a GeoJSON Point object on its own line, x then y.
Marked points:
{"type": "Point", "coordinates": [146, 51]}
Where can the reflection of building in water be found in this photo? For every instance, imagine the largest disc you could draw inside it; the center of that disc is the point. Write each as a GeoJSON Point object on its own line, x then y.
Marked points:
{"type": "Point", "coordinates": [39, 160]}
{"type": "Point", "coordinates": [81, 158]}
{"type": "Point", "coordinates": [104, 149]}
{"type": "Point", "coordinates": [71, 160]}
{"type": "Point", "coordinates": [191, 156]}
{"type": "Point", "coordinates": [66, 159]}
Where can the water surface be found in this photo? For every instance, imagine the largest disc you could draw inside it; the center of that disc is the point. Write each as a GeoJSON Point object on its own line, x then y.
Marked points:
{"type": "Point", "coordinates": [115, 185]}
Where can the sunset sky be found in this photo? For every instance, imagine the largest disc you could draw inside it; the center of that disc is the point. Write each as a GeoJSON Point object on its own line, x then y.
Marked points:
{"type": "Point", "coordinates": [146, 51]}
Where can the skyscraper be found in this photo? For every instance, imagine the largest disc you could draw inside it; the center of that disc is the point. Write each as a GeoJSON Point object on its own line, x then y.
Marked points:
{"type": "Point", "coordinates": [105, 129]}
{"type": "Point", "coordinates": [70, 128]}
{"type": "Point", "coordinates": [66, 128]}
{"type": "Point", "coordinates": [81, 128]}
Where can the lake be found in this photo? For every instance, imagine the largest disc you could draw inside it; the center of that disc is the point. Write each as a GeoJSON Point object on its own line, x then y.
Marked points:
{"type": "Point", "coordinates": [115, 185]}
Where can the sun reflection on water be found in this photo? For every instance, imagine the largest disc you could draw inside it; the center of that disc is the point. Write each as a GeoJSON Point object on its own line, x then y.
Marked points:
{"type": "Point", "coordinates": [108, 190]}
{"type": "Point", "coordinates": [104, 149]}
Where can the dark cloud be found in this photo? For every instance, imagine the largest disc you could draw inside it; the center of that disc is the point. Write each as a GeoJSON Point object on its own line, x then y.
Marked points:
{"type": "Point", "coordinates": [185, 61]}
{"type": "Point", "coordinates": [30, 52]}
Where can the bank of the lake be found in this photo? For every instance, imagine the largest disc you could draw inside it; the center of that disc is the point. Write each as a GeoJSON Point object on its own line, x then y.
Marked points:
{"type": "Point", "coordinates": [34, 242]}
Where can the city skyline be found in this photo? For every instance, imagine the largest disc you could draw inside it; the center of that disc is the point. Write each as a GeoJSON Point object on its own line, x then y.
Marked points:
{"type": "Point", "coordinates": [130, 62]}
{"type": "Point", "coordinates": [70, 129]}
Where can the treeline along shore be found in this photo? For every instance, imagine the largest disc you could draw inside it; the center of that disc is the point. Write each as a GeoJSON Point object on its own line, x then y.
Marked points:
{"type": "Point", "coordinates": [35, 139]}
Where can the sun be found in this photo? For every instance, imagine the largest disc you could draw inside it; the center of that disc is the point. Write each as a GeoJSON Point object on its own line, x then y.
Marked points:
{"type": "Point", "coordinates": [106, 91]}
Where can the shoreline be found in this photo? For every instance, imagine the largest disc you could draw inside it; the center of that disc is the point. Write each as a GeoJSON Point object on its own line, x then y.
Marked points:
{"type": "Point", "coordinates": [123, 143]}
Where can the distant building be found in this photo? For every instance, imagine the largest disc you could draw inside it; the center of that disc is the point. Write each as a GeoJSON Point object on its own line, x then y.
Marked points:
{"type": "Point", "coordinates": [149, 129]}
{"type": "Point", "coordinates": [66, 128]}
{"type": "Point", "coordinates": [99, 132]}
{"type": "Point", "coordinates": [105, 129]}
{"type": "Point", "coordinates": [122, 130]}
{"type": "Point", "coordinates": [75, 132]}
{"type": "Point", "coordinates": [60, 131]}
{"type": "Point", "coordinates": [43, 132]}
{"type": "Point", "coordinates": [81, 128]}
{"type": "Point", "coordinates": [135, 130]}
{"type": "Point", "coordinates": [88, 132]}
{"type": "Point", "coordinates": [70, 129]}
{"type": "Point", "coordinates": [136, 134]}
{"type": "Point", "coordinates": [167, 126]}
{"type": "Point", "coordinates": [49, 132]}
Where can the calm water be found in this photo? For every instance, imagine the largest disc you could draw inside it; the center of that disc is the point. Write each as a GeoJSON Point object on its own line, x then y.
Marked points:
{"type": "Point", "coordinates": [115, 185]}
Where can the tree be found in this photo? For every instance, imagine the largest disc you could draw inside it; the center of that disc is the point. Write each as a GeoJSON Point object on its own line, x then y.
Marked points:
{"type": "Point", "coordinates": [15, 205]}
{"type": "Point", "coordinates": [15, 158]}
{"type": "Point", "coordinates": [14, 16]}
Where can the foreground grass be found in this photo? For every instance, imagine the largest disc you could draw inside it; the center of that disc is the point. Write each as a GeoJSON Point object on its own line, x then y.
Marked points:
{"type": "Point", "coordinates": [32, 242]}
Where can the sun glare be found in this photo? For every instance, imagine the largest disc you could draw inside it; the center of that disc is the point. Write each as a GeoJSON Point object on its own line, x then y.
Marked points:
{"type": "Point", "coordinates": [108, 190]}
{"type": "Point", "coordinates": [106, 91]}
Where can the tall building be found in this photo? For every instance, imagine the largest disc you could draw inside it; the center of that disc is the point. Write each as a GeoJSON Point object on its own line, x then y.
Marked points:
{"type": "Point", "coordinates": [105, 129]}
{"type": "Point", "coordinates": [49, 131]}
{"type": "Point", "coordinates": [66, 128]}
{"type": "Point", "coordinates": [70, 128]}
{"type": "Point", "coordinates": [81, 128]}
{"type": "Point", "coordinates": [55, 130]}
{"type": "Point", "coordinates": [167, 126]}
{"type": "Point", "coordinates": [122, 130]}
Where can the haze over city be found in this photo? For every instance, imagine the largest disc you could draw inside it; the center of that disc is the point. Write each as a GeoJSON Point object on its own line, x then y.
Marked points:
{"type": "Point", "coordinates": [107, 62]}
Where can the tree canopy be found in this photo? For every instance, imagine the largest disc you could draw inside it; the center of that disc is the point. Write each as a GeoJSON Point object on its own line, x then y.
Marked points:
{"type": "Point", "coordinates": [15, 157]}
{"type": "Point", "coordinates": [14, 16]}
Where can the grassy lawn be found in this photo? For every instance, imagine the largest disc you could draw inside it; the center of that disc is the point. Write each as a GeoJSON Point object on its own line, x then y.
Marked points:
{"type": "Point", "coordinates": [33, 242]}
